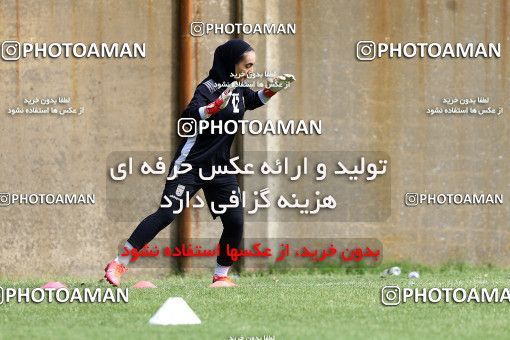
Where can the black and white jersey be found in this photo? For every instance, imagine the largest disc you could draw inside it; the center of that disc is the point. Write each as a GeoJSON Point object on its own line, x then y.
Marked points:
{"type": "Point", "coordinates": [208, 148]}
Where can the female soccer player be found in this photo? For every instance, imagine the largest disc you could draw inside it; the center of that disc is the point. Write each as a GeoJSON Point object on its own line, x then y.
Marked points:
{"type": "Point", "coordinates": [233, 62]}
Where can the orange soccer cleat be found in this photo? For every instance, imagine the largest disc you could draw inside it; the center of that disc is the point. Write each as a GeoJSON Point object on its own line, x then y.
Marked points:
{"type": "Point", "coordinates": [222, 281]}
{"type": "Point", "coordinates": [114, 271]}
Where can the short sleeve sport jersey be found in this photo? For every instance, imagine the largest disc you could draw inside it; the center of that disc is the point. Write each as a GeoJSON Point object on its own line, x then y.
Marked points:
{"type": "Point", "coordinates": [210, 147]}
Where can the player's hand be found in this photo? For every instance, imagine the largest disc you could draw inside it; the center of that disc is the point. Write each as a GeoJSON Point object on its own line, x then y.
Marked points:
{"type": "Point", "coordinates": [222, 101]}
{"type": "Point", "coordinates": [277, 84]}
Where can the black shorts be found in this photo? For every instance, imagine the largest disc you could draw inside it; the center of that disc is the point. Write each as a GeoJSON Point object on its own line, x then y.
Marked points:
{"type": "Point", "coordinates": [218, 190]}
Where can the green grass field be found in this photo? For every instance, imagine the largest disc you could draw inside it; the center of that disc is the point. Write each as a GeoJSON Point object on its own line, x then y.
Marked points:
{"type": "Point", "coordinates": [302, 305]}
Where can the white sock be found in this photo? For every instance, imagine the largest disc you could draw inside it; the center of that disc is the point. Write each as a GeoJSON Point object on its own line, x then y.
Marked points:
{"type": "Point", "coordinates": [221, 270]}
{"type": "Point", "coordinates": [124, 259]}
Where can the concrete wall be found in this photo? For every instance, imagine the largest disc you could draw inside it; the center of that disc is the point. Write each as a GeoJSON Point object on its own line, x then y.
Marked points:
{"type": "Point", "coordinates": [365, 106]}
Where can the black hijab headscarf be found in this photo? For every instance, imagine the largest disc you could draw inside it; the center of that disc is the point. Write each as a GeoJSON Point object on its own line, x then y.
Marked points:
{"type": "Point", "coordinates": [226, 56]}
